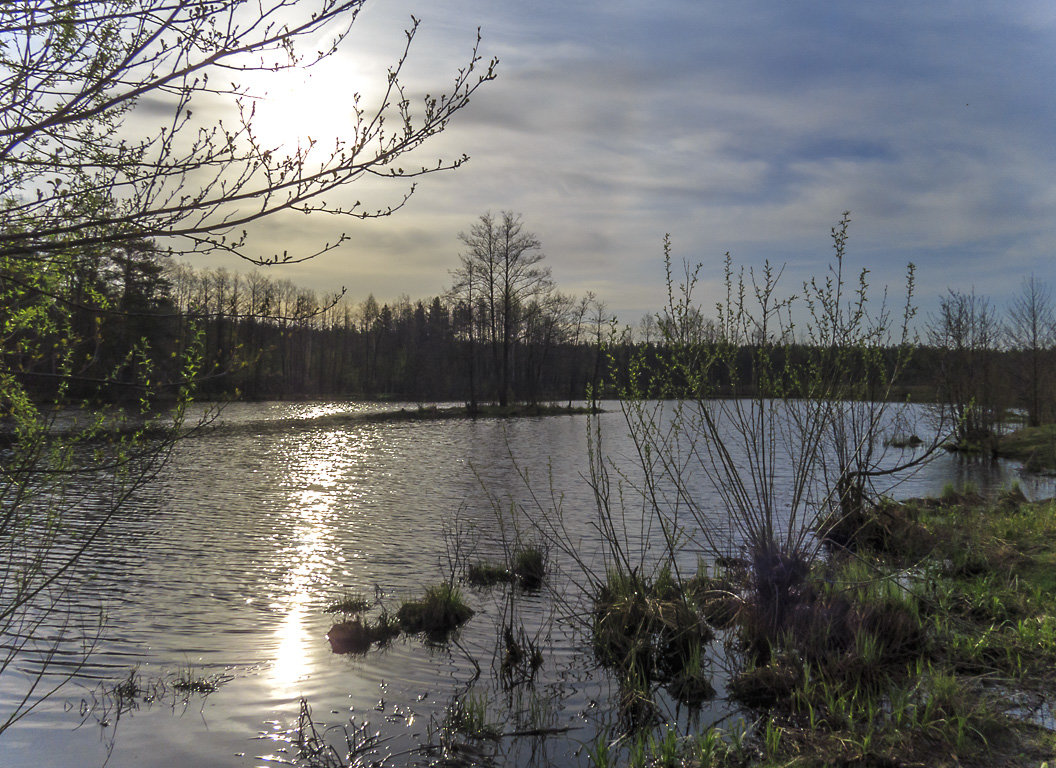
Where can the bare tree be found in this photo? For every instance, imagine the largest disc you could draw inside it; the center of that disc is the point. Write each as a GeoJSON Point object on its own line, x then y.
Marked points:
{"type": "Point", "coordinates": [966, 331]}
{"type": "Point", "coordinates": [1031, 330]}
{"type": "Point", "coordinates": [80, 185]}
{"type": "Point", "coordinates": [74, 72]}
{"type": "Point", "coordinates": [505, 259]}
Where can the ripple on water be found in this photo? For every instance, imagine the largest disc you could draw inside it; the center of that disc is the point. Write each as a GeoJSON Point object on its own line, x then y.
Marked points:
{"type": "Point", "coordinates": [226, 562]}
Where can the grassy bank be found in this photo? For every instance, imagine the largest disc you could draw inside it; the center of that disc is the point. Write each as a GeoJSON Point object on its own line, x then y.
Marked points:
{"type": "Point", "coordinates": [1034, 446]}
{"type": "Point", "coordinates": [928, 640]}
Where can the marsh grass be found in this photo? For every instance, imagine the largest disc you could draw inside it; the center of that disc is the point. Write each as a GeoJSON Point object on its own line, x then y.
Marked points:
{"type": "Point", "coordinates": [315, 747]}
{"type": "Point", "coordinates": [486, 574]}
{"type": "Point", "coordinates": [521, 657]}
{"type": "Point", "coordinates": [351, 603]}
{"type": "Point", "coordinates": [884, 664]}
{"type": "Point", "coordinates": [357, 635]}
{"type": "Point", "coordinates": [651, 626]}
{"type": "Point", "coordinates": [439, 611]}
{"type": "Point", "coordinates": [188, 681]}
{"type": "Point", "coordinates": [469, 717]}
{"type": "Point", "coordinates": [1034, 446]}
{"type": "Point", "coordinates": [527, 568]}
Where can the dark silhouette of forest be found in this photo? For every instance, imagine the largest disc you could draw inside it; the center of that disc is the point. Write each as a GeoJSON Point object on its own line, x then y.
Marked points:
{"type": "Point", "coordinates": [262, 338]}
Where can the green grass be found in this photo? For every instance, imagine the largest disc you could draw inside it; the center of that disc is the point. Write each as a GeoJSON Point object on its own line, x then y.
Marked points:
{"type": "Point", "coordinates": [348, 604]}
{"type": "Point", "coordinates": [1034, 446]}
{"type": "Point", "coordinates": [468, 716]}
{"type": "Point", "coordinates": [529, 566]}
{"type": "Point", "coordinates": [886, 657]}
{"type": "Point", "coordinates": [487, 574]}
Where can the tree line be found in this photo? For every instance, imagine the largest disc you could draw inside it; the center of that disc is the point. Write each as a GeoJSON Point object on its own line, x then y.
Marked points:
{"type": "Point", "coordinates": [502, 332]}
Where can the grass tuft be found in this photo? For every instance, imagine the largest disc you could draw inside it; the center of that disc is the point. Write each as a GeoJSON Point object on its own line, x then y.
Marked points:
{"type": "Point", "coordinates": [487, 574]}
{"type": "Point", "coordinates": [529, 566]}
{"type": "Point", "coordinates": [349, 604]}
{"type": "Point", "coordinates": [357, 635]}
{"type": "Point", "coordinates": [439, 611]}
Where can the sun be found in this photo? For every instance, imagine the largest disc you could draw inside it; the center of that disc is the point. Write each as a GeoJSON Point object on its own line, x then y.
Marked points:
{"type": "Point", "coordinates": [293, 108]}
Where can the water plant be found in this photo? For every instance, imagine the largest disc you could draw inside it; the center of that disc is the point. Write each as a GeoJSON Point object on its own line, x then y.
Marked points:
{"type": "Point", "coordinates": [650, 627]}
{"type": "Point", "coordinates": [350, 603]}
{"type": "Point", "coordinates": [187, 681]}
{"type": "Point", "coordinates": [440, 610]}
{"type": "Point", "coordinates": [521, 657]}
{"type": "Point", "coordinates": [315, 750]}
{"type": "Point", "coordinates": [529, 566]}
{"type": "Point", "coordinates": [485, 574]}
{"type": "Point", "coordinates": [468, 716]}
{"type": "Point", "coordinates": [357, 635]}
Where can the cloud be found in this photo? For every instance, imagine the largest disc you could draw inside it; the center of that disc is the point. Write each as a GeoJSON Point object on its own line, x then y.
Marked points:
{"type": "Point", "coordinates": [746, 127]}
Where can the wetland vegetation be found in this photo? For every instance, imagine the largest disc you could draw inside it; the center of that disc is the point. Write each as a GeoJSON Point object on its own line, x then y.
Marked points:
{"type": "Point", "coordinates": [711, 570]}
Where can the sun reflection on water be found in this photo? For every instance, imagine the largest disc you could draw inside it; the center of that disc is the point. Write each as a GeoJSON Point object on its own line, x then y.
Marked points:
{"type": "Point", "coordinates": [310, 477]}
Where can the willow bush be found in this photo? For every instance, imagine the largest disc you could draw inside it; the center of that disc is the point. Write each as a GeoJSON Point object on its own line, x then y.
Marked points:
{"type": "Point", "coordinates": [779, 405]}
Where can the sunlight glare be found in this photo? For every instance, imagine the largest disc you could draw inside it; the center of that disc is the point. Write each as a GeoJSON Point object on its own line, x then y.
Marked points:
{"type": "Point", "coordinates": [296, 106]}
{"type": "Point", "coordinates": [311, 478]}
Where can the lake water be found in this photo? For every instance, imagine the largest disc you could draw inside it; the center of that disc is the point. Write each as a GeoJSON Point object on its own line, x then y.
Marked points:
{"type": "Point", "coordinates": [221, 568]}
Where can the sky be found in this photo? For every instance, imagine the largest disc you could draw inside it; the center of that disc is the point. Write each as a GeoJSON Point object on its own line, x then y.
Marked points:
{"type": "Point", "coordinates": [746, 127]}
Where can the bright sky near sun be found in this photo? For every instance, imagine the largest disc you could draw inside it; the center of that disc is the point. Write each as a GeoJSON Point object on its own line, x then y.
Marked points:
{"type": "Point", "coordinates": [748, 127]}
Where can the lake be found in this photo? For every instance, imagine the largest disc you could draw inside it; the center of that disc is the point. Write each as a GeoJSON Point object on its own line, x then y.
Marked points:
{"type": "Point", "coordinates": [220, 570]}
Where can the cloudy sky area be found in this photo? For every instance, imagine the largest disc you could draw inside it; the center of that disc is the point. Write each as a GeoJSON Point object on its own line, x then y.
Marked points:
{"type": "Point", "coordinates": [745, 127]}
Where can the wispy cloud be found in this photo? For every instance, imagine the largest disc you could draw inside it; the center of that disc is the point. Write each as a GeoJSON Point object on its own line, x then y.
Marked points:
{"type": "Point", "coordinates": [746, 127]}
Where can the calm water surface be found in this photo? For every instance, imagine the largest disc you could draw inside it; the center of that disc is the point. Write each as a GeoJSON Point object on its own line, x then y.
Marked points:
{"type": "Point", "coordinates": [222, 568]}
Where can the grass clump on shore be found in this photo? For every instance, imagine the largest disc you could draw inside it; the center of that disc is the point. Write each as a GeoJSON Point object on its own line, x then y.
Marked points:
{"type": "Point", "coordinates": [914, 643]}
{"type": "Point", "coordinates": [439, 611]}
{"type": "Point", "coordinates": [1034, 446]}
